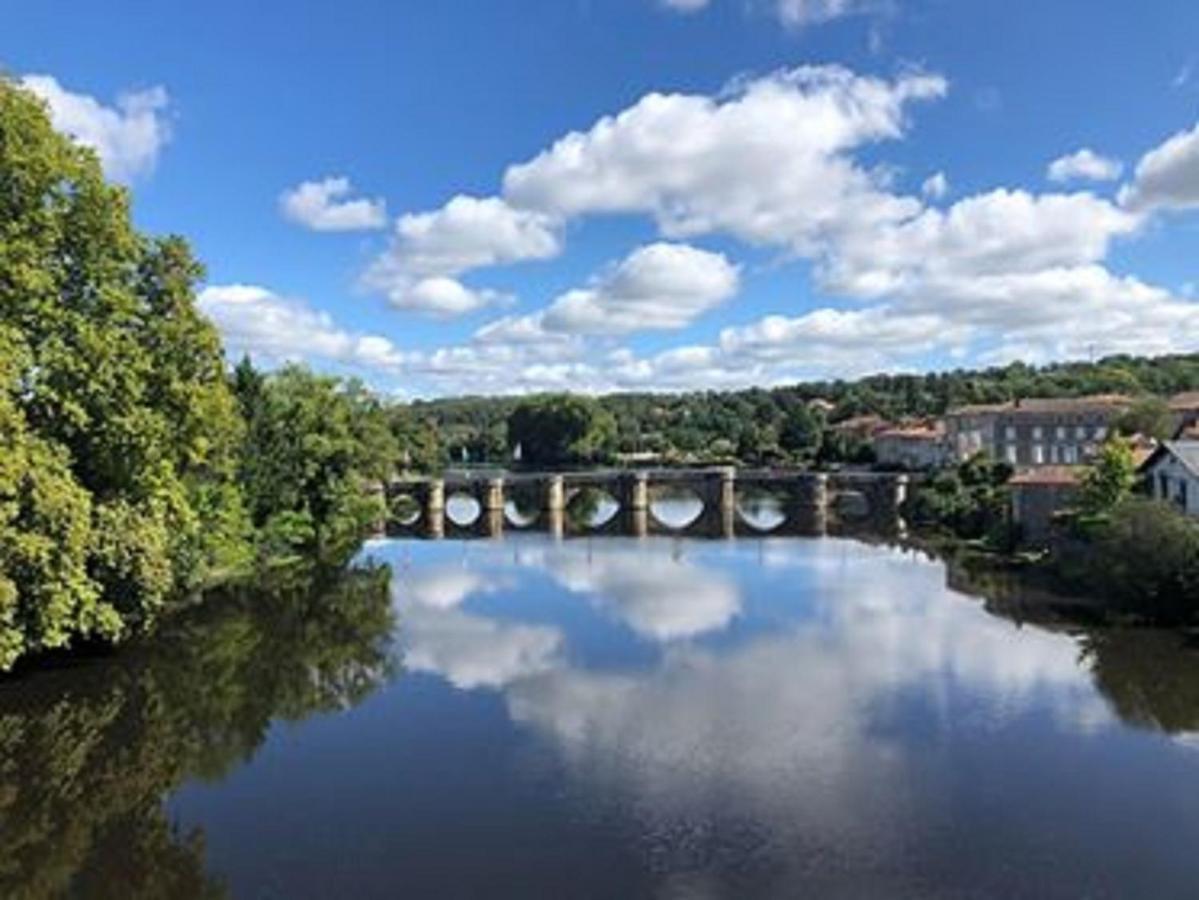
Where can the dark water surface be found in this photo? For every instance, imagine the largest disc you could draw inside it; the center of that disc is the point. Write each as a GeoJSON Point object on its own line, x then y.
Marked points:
{"type": "Point", "coordinates": [608, 718]}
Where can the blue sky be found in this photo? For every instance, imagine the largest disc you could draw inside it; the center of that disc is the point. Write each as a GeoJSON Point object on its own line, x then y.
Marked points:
{"type": "Point", "coordinates": [623, 194]}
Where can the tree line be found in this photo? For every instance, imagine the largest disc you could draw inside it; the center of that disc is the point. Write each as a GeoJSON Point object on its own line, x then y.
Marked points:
{"type": "Point", "coordinates": [759, 426]}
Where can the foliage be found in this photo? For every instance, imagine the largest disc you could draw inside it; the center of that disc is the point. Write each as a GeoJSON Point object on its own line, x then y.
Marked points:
{"type": "Point", "coordinates": [120, 435]}
{"type": "Point", "coordinates": [133, 470]}
{"type": "Point", "coordinates": [556, 429]}
{"type": "Point", "coordinates": [699, 427]}
{"type": "Point", "coordinates": [312, 444]}
{"type": "Point", "coordinates": [970, 502]}
{"type": "Point", "coordinates": [1109, 479]}
{"type": "Point", "coordinates": [1149, 416]}
{"type": "Point", "coordinates": [1146, 560]}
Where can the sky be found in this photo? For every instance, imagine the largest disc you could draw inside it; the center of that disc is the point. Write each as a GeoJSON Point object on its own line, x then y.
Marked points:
{"type": "Point", "coordinates": [503, 196]}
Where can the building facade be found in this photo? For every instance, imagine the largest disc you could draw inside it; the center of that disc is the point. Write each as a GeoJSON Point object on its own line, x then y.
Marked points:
{"type": "Point", "coordinates": [1172, 475]}
{"type": "Point", "coordinates": [916, 447]}
{"type": "Point", "coordinates": [1038, 496]}
{"type": "Point", "coordinates": [1033, 433]}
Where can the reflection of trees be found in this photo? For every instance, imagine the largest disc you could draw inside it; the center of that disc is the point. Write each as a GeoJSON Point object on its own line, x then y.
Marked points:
{"type": "Point", "coordinates": [583, 510]}
{"type": "Point", "coordinates": [87, 753]}
{"type": "Point", "coordinates": [1150, 676]}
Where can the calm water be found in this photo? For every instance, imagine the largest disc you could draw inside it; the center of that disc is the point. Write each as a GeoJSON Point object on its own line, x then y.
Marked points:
{"type": "Point", "coordinates": [608, 718]}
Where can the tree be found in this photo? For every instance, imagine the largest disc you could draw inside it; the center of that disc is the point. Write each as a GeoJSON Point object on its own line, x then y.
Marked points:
{"type": "Point", "coordinates": [118, 489]}
{"type": "Point", "coordinates": [313, 445]}
{"type": "Point", "coordinates": [800, 432]}
{"type": "Point", "coordinates": [557, 429]}
{"type": "Point", "coordinates": [1149, 416]}
{"type": "Point", "coordinates": [1147, 560]}
{"type": "Point", "coordinates": [1110, 479]}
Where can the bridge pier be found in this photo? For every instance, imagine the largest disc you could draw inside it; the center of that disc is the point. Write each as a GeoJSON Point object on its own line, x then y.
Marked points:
{"type": "Point", "coordinates": [553, 505]}
{"type": "Point", "coordinates": [807, 507]}
{"type": "Point", "coordinates": [434, 511]}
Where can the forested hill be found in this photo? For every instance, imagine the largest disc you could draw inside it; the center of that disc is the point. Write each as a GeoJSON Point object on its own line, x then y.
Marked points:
{"type": "Point", "coordinates": [751, 422]}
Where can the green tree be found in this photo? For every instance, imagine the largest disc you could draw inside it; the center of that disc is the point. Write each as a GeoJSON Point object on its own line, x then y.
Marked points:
{"type": "Point", "coordinates": [1109, 479]}
{"type": "Point", "coordinates": [1146, 559]}
{"type": "Point", "coordinates": [119, 487]}
{"type": "Point", "coordinates": [313, 447]}
{"type": "Point", "coordinates": [557, 429]}
{"type": "Point", "coordinates": [1149, 416]}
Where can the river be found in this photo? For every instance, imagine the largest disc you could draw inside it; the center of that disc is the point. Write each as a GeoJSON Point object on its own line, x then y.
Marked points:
{"type": "Point", "coordinates": [607, 717]}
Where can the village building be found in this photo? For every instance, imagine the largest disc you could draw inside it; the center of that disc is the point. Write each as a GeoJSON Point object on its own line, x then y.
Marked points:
{"type": "Point", "coordinates": [862, 428]}
{"type": "Point", "coordinates": [1038, 495]}
{"type": "Point", "coordinates": [1035, 432]}
{"type": "Point", "coordinates": [914, 447]}
{"type": "Point", "coordinates": [1172, 475]}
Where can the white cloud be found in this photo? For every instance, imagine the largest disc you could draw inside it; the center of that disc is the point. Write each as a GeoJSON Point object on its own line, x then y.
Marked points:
{"type": "Point", "coordinates": [935, 186]}
{"type": "Point", "coordinates": [127, 137]}
{"type": "Point", "coordinates": [1167, 177]}
{"type": "Point", "coordinates": [1001, 231]}
{"type": "Point", "coordinates": [326, 205]}
{"type": "Point", "coordinates": [765, 161]}
{"type": "Point", "coordinates": [257, 321]}
{"type": "Point", "coordinates": [441, 296]}
{"type": "Point", "coordinates": [656, 287]}
{"type": "Point", "coordinates": [685, 6]}
{"type": "Point", "coordinates": [798, 13]}
{"type": "Point", "coordinates": [418, 271]}
{"type": "Point", "coordinates": [1084, 164]}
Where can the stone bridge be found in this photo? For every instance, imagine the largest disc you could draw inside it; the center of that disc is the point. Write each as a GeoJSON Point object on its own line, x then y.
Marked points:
{"type": "Point", "coordinates": [810, 503]}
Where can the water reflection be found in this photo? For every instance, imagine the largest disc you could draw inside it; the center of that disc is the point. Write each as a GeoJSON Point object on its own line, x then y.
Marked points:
{"type": "Point", "coordinates": [88, 752]}
{"type": "Point", "coordinates": [676, 507]}
{"type": "Point", "coordinates": [609, 717]}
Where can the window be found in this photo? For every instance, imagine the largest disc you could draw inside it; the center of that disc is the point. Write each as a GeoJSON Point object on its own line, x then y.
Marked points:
{"type": "Point", "coordinates": [1069, 454]}
{"type": "Point", "coordinates": [1061, 432]}
{"type": "Point", "coordinates": [1010, 432]}
{"type": "Point", "coordinates": [1080, 432]}
{"type": "Point", "coordinates": [1182, 493]}
{"type": "Point", "coordinates": [1037, 432]}
{"type": "Point", "coordinates": [1038, 454]}
{"type": "Point", "coordinates": [1163, 486]}
{"type": "Point", "coordinates": [1010, 453]}
{"type": "Point", "coordinates": [1100, 432]}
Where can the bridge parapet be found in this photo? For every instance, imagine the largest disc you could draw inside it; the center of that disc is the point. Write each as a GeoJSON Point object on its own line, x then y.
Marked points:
{"type": "Point", "coordinates": [811, 503]}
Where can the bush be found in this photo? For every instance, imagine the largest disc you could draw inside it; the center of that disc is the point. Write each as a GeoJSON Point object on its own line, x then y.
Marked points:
{"type": "Point", "coordinates": [1146, 560]}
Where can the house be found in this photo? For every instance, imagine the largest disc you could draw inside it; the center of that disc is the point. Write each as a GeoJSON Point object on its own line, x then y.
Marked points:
{"type": "Point", "coordinates": [1172, 474]}
{"type": "Point", "coordinates": [1038, 495]}
{"type": "Point", "coordinates": [914, 447]}
{"type": "Point", "coordinates": [1035, 432]}
{"type": "Point", "coordinates": [862, 428]}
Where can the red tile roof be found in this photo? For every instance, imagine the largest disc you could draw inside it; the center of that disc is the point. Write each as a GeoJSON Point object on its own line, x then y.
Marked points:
{"type": "Point", "coordinates": [1045, 476]}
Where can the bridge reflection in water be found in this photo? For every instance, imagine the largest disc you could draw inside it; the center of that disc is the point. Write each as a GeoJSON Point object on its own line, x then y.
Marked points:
{"type": "Point", "coordinates": [806, 503]}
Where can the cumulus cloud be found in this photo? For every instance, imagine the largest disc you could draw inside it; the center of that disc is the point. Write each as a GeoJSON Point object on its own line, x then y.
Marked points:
{"type": "Point", "coordinates": [997, 232]}
{"type": "Point", "coordinates": [430, 249]}
{"type": "Point", "coordinates": [657, 287]}
{"type": "Point", "coordinates": [685, 6]}
{"type": "Point", "coordinates": [1084, 164]}
{"type": "Point", "coordinates": [327, 205]}
{"type": "Point", "coordinates": [935, 186]}
{"type": "Point", "coordinates": [1167, 177]}
{"type": "Point", "coordinates": [255, 320]}
{"type": "Point", "coordinates": [765, 161]}
{"type": "Point", "coordinates": [127, 136]}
